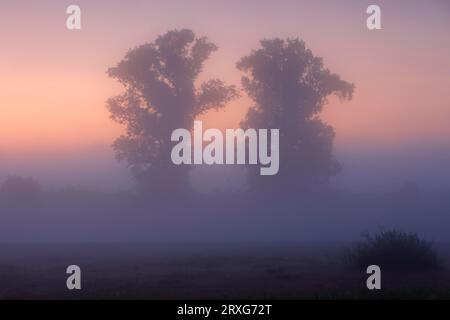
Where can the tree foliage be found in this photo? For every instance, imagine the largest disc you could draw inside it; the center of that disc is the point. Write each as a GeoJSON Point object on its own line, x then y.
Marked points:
{"type": "Point", "coordinates": [161, 95]}
{"type": "Point", "coordinates": [289, 87]}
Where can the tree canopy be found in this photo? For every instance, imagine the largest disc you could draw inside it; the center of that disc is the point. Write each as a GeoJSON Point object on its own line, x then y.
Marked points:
{"type": "Point", "coordinates": [160, 95]}
{"type": "Point", "coordinates": [289, 87]}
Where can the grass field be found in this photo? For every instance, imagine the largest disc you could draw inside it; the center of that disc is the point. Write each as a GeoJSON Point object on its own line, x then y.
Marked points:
{"type": "Point", "coordinates": [199, 271]}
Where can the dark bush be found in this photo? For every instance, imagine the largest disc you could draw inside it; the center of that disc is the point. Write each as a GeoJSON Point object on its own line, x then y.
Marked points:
{"type": "Point", "coordinates": [20, 190]}
{"type": "Point", "coordinates": [394, 250]}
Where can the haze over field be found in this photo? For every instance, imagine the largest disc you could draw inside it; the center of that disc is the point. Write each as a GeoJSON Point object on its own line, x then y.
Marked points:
{"type": "Point", "coordinates": [394, 132]}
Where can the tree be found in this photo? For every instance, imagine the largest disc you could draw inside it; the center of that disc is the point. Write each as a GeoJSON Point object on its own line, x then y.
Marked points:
{"type": "Point", "coordinates": [160, 95]}
{"type": "Point", "coordinates": [289, 87]}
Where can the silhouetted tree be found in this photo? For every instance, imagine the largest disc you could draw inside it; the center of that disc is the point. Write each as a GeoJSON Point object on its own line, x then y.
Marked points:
{"type": "Point", "coordinates": [160, 96]}
{"type": "Point", "coordinates": [289, 87]}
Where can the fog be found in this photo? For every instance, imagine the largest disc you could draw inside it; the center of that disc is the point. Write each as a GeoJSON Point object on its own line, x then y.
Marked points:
{"type": "Point", "coordinates": [376, 169]}
{"type": "Point", "coordinates": [88, 196]}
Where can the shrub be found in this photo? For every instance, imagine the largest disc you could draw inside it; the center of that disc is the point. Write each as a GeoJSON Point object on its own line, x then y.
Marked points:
{"type": "Point", "coordinates": [17, 189]}
{"type": "Point", "coordinates": [394, 250]}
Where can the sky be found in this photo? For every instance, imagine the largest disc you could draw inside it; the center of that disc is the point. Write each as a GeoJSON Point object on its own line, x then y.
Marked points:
{"type": "Point", "coordinates": [54, 84]}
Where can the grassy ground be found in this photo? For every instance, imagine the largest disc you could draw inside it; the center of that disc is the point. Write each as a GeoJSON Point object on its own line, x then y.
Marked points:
{"type": "Point", "coordinates": [194, 271]}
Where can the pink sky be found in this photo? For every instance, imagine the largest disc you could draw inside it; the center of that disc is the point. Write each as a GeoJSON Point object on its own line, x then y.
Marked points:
{"type": "Point", "coordinates": [54, 86]}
